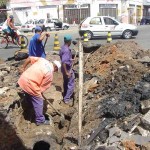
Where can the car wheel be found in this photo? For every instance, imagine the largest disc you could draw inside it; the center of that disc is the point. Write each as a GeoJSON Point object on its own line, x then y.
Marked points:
{"type": "Point", "coordinates": [33, 30]}
{"type": "Point", "coordinates": [127, 34]}
{"type": "Point", "coordinates": [89, 35]}
{"type": "Point", "coordinates": [48, 29]}
{"type": "Point", "coordinates": [65, 27]}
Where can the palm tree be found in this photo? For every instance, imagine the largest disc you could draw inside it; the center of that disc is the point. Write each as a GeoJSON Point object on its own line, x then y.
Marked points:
{"type": "Point", "coordinates": [3, 3]}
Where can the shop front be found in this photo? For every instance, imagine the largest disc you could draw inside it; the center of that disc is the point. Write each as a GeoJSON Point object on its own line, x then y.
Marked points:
{"type": "Point", "coordinates": [73, 13]}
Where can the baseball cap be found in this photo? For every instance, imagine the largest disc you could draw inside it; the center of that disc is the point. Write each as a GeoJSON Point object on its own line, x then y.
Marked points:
{"type": "Point", "coordinates": [37, 28]}
{"type": "Point", "coordinates": [67, 37]}
{"type": "Point", "coordinates": [57, 63]}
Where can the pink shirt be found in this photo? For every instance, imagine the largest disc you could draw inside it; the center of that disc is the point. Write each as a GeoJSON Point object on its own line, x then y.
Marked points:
{"type": "Point", "coordinates": [38, 77]}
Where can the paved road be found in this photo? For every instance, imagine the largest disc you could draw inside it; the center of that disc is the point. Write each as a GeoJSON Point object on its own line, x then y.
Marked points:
{"type": "Point", "coordinates": [142, 39]}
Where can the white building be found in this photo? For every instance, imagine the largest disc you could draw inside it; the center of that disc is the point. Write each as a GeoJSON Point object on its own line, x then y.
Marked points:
{"type": "Point", "coordinates": [129, 11]}
{"type": "Point", "coordinates": [146, 8]}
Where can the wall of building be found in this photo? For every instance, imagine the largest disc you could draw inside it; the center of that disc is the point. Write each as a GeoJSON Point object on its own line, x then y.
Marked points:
{"type": "Point", "coordinates": [146, 8]}
{"type": "Point", "coordinates": [127, 11]}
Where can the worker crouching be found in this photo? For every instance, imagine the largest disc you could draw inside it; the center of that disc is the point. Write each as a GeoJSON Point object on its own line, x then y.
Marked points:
{"type": "Point", "coordinates": [35, 80]}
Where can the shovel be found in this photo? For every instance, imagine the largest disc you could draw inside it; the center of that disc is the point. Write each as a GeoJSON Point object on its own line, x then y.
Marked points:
{"type": "Point", "coordinates": [62, 117]}
{"type": "Point", "coordinates": [45, 43]}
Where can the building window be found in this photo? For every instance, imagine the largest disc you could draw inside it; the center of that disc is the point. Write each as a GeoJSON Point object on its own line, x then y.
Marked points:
{"type": "Point", "coordinates": [108, 10]}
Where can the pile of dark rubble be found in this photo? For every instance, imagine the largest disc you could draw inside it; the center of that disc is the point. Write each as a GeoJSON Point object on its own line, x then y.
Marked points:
{"type": "Point", "coordinates": [116, 104]}
{"type": "Point", "coordinates": [116, 109]}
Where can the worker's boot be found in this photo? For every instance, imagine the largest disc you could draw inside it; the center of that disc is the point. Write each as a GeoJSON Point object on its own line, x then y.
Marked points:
{"type": "Point", "coordinates": [46, 122]}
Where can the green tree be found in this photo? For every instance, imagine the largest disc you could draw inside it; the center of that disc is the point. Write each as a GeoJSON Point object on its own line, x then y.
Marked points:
{"type": "Point", "coordinates": [3, 2]}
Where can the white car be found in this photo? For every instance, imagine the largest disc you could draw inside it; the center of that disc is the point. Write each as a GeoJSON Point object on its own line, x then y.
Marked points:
{"type": "Point", "coordinates": [52, 24]}
{"type": "Point", "coordinates": [60, 25]}
{"type": "Point", "coordinates": [46, 24]}
{"type": "Point", "coordinates": [100, 25]}
{"type": "Point", "coordinates": [29, 26]}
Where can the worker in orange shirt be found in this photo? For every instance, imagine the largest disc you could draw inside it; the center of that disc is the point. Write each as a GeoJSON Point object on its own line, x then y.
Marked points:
{"type": "Point", "coordinates": [35, 80]}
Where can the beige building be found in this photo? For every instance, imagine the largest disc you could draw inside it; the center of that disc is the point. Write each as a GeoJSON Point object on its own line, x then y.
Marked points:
{"type": "Point", "coordinates": [73, 11]}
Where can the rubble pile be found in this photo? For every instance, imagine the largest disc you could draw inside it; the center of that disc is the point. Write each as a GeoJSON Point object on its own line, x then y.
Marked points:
{"type": "Point", "coordinates": [116, 85]}
{"type": "Point", "coordinates": [116, 104]}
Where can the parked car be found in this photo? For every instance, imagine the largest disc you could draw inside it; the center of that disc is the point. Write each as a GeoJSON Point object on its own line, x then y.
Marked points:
{"type": "Point", "coordinates": [18, 25]}
{"type": "Point", "coordinates": [46, 24]}
{"type": "Point", "coordinates": [100, 25]}
{"type": "Point", "coordinates": [60, 25]}
{"type": "Point", "coordinates": [29, 26]}
{"type": "Point", "coordinates": [52, 24]}
{"type": "Point", "coordinates": [145, 20]}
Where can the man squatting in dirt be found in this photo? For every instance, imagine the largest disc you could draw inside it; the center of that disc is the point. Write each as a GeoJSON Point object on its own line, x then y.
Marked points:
{"type": "Point", "coordinates": [66, 68]}
{"type": "Point", "coordinates": [34, 81]}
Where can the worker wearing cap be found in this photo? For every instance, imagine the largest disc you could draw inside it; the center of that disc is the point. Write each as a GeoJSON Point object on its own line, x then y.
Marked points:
{"type": "Point", "coordinates": [35, 80]}
{"type": "Point", "coordinates": [68, 73]}
{"type": "Point", "coordinates": [36, 47]}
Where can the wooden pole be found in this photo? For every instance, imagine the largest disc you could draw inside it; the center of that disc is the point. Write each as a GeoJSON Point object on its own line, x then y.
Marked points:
{"type": "Point", "coordinates": [80, 91]}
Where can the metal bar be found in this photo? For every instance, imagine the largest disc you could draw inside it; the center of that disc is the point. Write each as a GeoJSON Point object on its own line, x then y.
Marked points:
{"type": "Point", "coordinates": [80, 91]}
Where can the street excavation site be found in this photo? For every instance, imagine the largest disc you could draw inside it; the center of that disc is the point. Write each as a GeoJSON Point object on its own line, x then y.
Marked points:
{"type": "Point", "coordinates": [116, 103]}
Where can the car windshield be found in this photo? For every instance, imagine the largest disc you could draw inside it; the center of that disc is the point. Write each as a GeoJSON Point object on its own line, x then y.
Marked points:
{"type": "Point", "coordinates": [29, 22]}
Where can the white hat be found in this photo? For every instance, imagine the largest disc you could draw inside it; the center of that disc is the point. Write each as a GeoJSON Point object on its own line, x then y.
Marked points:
{"type": "Point", "coordinates": [57, 63]}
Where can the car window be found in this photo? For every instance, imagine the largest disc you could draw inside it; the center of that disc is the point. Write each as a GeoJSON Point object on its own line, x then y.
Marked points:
{"type": "Point", "coordinates": [49, 21]}
{"type": "Point", "coordinates": [109, 21]}
{"type": "Point", "coordinates": [55, 20]}
{"type": "Point", "coordinates": [36, 22]}
{"type": "Point", "coordinates": [41, 21]}
{"type": "Point", "coordinates": [96, 21]}
{"type": "Point", "coordinates": [28, 22]}
{"type": "Point", "coordinates": [17, 24]}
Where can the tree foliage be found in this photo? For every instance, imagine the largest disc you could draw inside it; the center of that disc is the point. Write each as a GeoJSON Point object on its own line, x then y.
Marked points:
{"type": "Point", "coordinates": [3, 2]}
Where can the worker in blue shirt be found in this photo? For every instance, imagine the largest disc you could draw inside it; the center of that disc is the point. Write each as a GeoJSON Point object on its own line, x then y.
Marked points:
{"type": "Point", "coordinates": [36, 47]}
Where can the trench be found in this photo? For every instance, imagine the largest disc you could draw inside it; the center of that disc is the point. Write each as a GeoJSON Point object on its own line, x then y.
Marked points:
{"type": "Point", "coordinates": [114, 87]}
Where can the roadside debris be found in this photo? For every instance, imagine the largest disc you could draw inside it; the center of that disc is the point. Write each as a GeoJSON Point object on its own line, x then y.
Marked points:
{"type": "Point", "coordinates": [116, 106]}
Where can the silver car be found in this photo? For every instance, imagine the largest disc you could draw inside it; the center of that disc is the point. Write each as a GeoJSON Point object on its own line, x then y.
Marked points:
{"type": "Point", "coordinates": [99, 26]}
{"type": "Point", "coordinates": [29, 26]}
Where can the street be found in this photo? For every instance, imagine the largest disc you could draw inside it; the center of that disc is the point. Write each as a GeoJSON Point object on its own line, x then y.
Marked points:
{"type": "Point", "coordinates": [142, 39]}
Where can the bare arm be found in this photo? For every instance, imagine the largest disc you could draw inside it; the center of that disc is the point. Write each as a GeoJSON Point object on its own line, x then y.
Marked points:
{"type": "Point", "coordinates": [43, 36]}
{"type": "Point", "coordinates": [26, 63]}
{"type": "Point", "coordinates": [23, 67]}
{"type": "Point", "coordinates": [11, 24]}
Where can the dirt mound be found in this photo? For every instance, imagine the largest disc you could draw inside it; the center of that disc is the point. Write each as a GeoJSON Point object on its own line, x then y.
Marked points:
{"type": "Point", "coordinates": [113, 79]}
{"type": "Point", "coordinates": [115, 85]}
{"type": "Point", "coordinates": [116, 66]}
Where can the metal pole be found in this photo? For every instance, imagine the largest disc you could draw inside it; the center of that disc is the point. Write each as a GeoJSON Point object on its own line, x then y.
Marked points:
{"type": "Point", "coordinates": [80, 91]}
{"type": "Point", "coordinates": [80, 13]}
